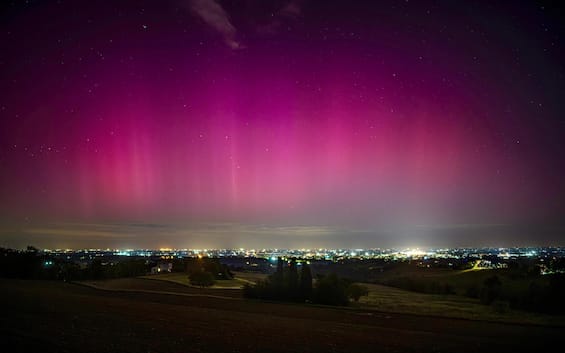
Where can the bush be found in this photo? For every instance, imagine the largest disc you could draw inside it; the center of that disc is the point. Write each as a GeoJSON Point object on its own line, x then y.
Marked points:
{"type": "Point", "coordinates": [491, 290]}
{"type": "Point", "coordinates": [201, 279]}
{"type": "Point", "coordinates": [212, 265]}
{"type": "Point", "coordinates": [331, 290]}
{"type": "Point", "coordinates": [287, 285]}
{"type": "Point", "coordinates": [500, 306]}
{"type": "Point", "coordinates": [473, 291]}
{"type": "Point", "coordinates": [356, 291]}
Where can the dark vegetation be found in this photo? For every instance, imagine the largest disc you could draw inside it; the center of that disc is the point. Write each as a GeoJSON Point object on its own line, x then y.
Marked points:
{"type": "Point", "coordinates": [421, 285]}
{"type": "Point", "coordinates": [520, 286]}
{"type": "Point", "coordinates": [212, 265]}
{"type": "Point", "coordinates": [534, 293]}
{"type": "Point", "coordinates": [202, 279]}
{"type": "Point", "coordinates": [204, 272]}
{"type": "Point", "coordinates": [374, 270]}
{"type": "Point", "coordinates": [288, 284]}
{"type": "Point", "coordinates": [30, 264]}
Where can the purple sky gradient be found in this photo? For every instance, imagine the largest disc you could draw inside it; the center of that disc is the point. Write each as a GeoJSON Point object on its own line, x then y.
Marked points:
{"type": "Point", "coordinates": [203, 123]}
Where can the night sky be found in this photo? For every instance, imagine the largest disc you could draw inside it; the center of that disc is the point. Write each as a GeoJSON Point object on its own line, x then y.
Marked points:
{"type": "Point", "coordinates": [281, 123]}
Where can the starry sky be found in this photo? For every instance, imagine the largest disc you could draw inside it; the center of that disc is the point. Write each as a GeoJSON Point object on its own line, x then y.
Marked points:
{"type": "Point", "coordinates": [209, 123]}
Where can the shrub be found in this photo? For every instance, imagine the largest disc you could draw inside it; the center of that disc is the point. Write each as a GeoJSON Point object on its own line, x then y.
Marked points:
{"type": "Point", "coordinates": [356, 291]}
{"type": "Point", "coordinates": [201, 279]}
{"type": "Point", "coordinates": [500, 306]}
{"type": "Point", "coordinates": [491, 290]}
{"type": "Point", "coordinates": [331, 290]}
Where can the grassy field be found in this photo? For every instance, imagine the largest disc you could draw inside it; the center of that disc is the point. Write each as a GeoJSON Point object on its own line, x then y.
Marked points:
{"type": "Point", "coordinates": [142, 284]}
{"type": "Point", "coordinates": [511, 284]}
{"type": "Point", "coordinates": [394, 300]}
{"type": "Point", "coordinates": [62, 317]}
{"type": "Point", "coordinates": [461, 280]}
{"type": "Point", "coordinates": [381, 298]}
{"type": "Point", "coordinates": [252, 277]}
{"type": "Point", "coordinates": [240, 279]}
{"type": "Point", "coordinates": [390, 299]}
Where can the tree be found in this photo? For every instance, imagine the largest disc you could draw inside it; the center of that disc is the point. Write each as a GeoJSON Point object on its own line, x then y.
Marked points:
{"type": "Point", "coordinates": [491, 290]}
{"type": "Point", "coordinates": [356, 291]}
{"type": "Point", "coordinates": [292, 278]}
{"type": "Point", "coordinates": [280, 265]}
{"type": "Point", "coordinates": [331, 290]}
{"type": "Point", "coordinates": [32, 249]}
{"type": "Point", "coordinates": [277, 278]}
{"type": "Point", "coordinates": [201, 279]}
{"type": "Point", "coordinates": [96, 269]}
{"type": "Point", "coordinates": [212, 265]}
{"type": "Point", "coordinates": [305, 282]}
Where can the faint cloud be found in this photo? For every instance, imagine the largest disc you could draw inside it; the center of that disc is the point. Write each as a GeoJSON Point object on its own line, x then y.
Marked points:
{"type": "Point", "coordinates": [287, 13]}
{"type": "Point", "coordinates": [216, 16]}
{"type": "Point", "coordinates": [95, 230]}
{"type": "Point", "coordinates": [228, 229]}
{"type": "Point", "coordinates": [213, 14]}
{"type": "Point", "coordinates": [77, 232]}
{"type": "Point", "coordinates": [292, 9]}
{"type": "Point", "coordinates": [460, 226]}
{"type": "Point", "coordinates": [155, 235]}
{"type": "Point", "coordinates": [219, 234]}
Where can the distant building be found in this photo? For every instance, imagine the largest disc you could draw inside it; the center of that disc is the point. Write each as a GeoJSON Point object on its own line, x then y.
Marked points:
{"type": "Point", "coordinates": [162, 267]}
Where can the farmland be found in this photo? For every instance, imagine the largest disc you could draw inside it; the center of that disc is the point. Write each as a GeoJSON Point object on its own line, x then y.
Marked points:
{"type": "Point", "coordinates": [381, 298]}
{"type": "Point", "coordinates": [240, 279]}
{"type": "Point", "coordinates": [55, 317]}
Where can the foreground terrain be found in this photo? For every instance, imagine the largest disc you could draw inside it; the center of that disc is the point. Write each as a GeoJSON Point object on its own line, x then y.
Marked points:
{"type": "Point", "coordinates": [63, 317]}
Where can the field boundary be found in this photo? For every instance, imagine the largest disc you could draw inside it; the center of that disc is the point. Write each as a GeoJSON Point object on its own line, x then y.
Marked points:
{"type": "Point", "coordinates": [368, 310]}
{"type": "Point", "coordinates": [148, 291]}
{"type": "Point", "coordinates": [151, 278]}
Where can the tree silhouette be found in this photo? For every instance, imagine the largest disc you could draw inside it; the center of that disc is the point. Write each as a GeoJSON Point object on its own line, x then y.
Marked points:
{"type": "Point", "coordinates": [305, 282]}
{"type": "Point", "coordinates": [356, 291]}
{"type": "Point", "coordinates": [277, 277]}
{"type": "Point", "coordinates": [331, 290]}
{"type": "Point", "coordinates": [201, 279]}
{"type": "Point", "coordinates": [491, 290]}
{"type": "Point", "coordinates": [292, 279]}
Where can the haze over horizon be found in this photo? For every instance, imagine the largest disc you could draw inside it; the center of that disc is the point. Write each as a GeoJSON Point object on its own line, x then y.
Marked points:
{"type": "Point", "coordinates": [288, 124]}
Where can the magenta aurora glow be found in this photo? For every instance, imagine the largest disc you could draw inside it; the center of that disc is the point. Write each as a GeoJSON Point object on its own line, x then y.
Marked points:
{"type": "Point", "coordinates": [288, 124]}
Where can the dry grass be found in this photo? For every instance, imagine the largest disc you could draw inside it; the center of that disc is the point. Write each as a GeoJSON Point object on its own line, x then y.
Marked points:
{"type": "Point", "coordinates": [397, 300]}
{"type": "Point", "coordinates": [59, 317]}
{"type": "Point", "coordinates": [240, 279]}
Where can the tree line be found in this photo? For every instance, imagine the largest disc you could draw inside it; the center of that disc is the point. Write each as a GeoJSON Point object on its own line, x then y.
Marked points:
{"type": "Point", "coordinates": [204, 272]}
{"type": "Point", "coordinates": [538, 295]}
{"type": "Point", "coordinates": [289, 284]}
{"type": "Point", "coordinates": [30, 264]}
